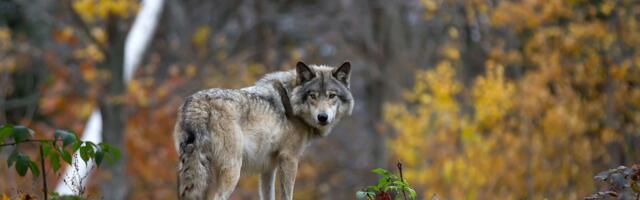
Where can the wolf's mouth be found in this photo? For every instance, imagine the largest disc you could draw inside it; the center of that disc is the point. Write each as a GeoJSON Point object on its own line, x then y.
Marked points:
{"type": "Point", "coordinates": [323, 123]}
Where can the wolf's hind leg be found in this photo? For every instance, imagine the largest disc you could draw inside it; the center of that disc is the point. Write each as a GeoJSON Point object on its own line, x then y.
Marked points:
{"type": "Point", "coordinates": [227, 179]}
{"type": "Point", "coordinates": [228, 163]}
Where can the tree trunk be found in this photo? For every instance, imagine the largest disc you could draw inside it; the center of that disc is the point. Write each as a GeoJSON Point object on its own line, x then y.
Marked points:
{"type": "Point", "coordinates": [113, 184]}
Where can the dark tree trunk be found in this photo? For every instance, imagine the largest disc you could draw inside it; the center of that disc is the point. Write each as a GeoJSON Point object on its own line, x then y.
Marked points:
{"type": "Point", "coordinates": [113, 184]}
{"type": "Point", "coordinates": [264, 35]}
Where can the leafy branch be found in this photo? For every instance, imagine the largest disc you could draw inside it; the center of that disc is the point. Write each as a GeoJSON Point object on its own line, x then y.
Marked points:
{"type": "Point", "coordinates": [388, 185]}
{"type": "Point", "coordinates": [61, 147]}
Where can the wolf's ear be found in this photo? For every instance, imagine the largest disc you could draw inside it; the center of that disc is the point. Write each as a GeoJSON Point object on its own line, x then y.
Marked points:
{"type": "Point", "coordinates": [304, 72]}
{"type": "Point", "coordinates": [343, 73]}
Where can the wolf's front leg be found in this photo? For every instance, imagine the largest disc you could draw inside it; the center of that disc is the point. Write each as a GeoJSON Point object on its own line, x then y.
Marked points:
{"type": "Point", "coordinates": [287, 174]}
{"type": "Point", "coordinates": [267, 191]}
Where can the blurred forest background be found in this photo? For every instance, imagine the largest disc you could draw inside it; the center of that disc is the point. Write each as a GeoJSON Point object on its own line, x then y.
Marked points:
{"type": "Point", "coordinates": [480, 99]}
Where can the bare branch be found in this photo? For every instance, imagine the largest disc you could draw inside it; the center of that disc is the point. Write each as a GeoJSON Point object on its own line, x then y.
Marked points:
{"type": "Point", "coordinates": [26, 141]}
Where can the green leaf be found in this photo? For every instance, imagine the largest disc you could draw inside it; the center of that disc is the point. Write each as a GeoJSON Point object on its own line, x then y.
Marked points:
{"type": "Point", "coordinates": [54, 160]}
{"type": "Point", "coordinates": [412, 193]}
{"type": "Point", "coordinates": [111, 154]}
{"type": "Point", "coordinates": [5, 131]}
{"type": "Point", "coordinates": [34, 168]}
{"type": "Point", "coordinates": [20, 133]}
{"type": "Point", "coordinates": [382, 182]}
{"type": "Point", "coordinates": [92, 144]}
{"type": "Point", "coordinates": [46, 148]}
{"type": "Point", "coordinates": [12, 158]}
{"type": "Point", "coordinates": [76, 145]}
{"type": "Point", "coordinates": [380, 171]}
{"type": "Point", "coordinates": [99, 156]}
{"type": "Point", "coordinates": [393, 177]}
{"type": "Point", "coordinates": [66, 137]}
{"type": "Point", "coordinates": [392, 188]}
{"type": "Point", "coordinates": [115, 153]}
{"type": "Point", "coordinates": [84, 153]}
{"type": "Point", "coordinates": [399, 183]}
{"type": "Point", "coordinates": [65, 156]}
{"type": "Point", "coordinates": [92, 153]}
{"type": "Point", "coordinates": [22, 164]}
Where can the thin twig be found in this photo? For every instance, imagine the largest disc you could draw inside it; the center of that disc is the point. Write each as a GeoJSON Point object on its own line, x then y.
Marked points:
{"type": "Point", "coordinates": [44, 175]}
{"type": "Point", "coordinates": [402, 179]}
{"type": "Point", "coordinates": [85, 28]}
{"type": "Point", "coordinates": [26, 141]}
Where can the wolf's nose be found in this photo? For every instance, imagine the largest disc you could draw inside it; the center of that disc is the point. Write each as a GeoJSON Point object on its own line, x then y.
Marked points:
{"type": "Point", "coordinates": [322, 117]}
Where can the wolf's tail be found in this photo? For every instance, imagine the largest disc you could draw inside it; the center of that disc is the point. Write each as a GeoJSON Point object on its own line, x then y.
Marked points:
{"type": "Point", "coordinates": [194, 150]}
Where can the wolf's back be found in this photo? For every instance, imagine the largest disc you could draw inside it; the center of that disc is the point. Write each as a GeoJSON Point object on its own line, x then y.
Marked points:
{"type": "Point", "coordinates": [194, 146]}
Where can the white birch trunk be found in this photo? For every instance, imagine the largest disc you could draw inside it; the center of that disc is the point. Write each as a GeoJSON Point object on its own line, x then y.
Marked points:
{"type": "Point", "coordinates": [138, 39]}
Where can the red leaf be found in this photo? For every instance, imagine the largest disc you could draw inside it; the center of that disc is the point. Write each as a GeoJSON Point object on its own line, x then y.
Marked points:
{"type": "Point", "coordinates": [383, 196]}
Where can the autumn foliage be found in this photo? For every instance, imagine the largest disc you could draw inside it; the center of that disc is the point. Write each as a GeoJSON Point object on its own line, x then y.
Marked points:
{"type": "Point", "coordinates": [479, 99]}
{"type": "Point", "coordinates": [543, 117]}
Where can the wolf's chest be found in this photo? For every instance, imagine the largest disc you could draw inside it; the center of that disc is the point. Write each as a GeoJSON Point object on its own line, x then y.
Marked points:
{"type": "Point", "coordinates": [259, 154]}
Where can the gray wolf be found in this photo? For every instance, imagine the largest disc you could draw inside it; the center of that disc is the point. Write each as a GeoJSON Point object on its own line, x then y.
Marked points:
{"type": "Point", "coordinates": [262, 129]}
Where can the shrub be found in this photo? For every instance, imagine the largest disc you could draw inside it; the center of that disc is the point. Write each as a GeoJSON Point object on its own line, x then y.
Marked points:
{"type": "Point", "coordinates": [63, 145]}
{"type": "Point", "coordinates": [389, 187]}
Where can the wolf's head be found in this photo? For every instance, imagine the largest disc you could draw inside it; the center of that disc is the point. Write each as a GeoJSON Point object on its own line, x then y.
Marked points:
{"type": "Point", "coordinates": [321, 96]}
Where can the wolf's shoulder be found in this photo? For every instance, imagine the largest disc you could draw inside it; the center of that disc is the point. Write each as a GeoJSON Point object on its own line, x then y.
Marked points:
{"type": "Point", "coordinates": [216, 93]}
{"type": "Point", "coordinates": [279, 76]}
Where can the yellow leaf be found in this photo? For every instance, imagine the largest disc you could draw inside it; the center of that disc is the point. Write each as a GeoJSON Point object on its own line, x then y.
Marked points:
{"type": "Point", "coordinates": [5, 38]}
{"type": "Point", "coordinates": [85, 9]}
{"type": "Point", "coordinates": [201, 36]}
{"type": "Point", "coordinates": [607, 7]}
{"type": "Point", "coordinates": [8, 64]}
{"type": "Point", "coordinates": [120, 8]}
{"type": "Point", "coordinates": [453, 32]}
{"type": "Point", "coordinates": [88, 72]}
{"type": "Point", "coordinates": [430, 5]}
{"type": "Point", "coordinates": [452, 53]}
{"type": "Point", "coordinates": [99, 34]}
{"type": "Point", "coordinates": [191, 70]}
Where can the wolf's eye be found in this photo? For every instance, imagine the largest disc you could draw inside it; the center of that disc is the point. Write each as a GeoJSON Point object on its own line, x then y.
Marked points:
{"type": "Point", "coordinates": [332, 95]}
{"type": "Point", "coordinates": [313, 95]}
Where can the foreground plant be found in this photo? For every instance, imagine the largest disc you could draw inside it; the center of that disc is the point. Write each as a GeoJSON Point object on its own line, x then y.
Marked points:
{"type": "Point", "coordinates": [389, 187]}
{"type": "Point", "coordinates": [622, 183]}
{"type": "Point", "coordinates": [63, 145]}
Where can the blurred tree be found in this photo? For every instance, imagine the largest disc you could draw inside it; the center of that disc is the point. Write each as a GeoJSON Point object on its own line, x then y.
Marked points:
{"type": "Point", "coordinates": [571, 110]}
{"type": "Point", "coordinates": [111, 84]}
